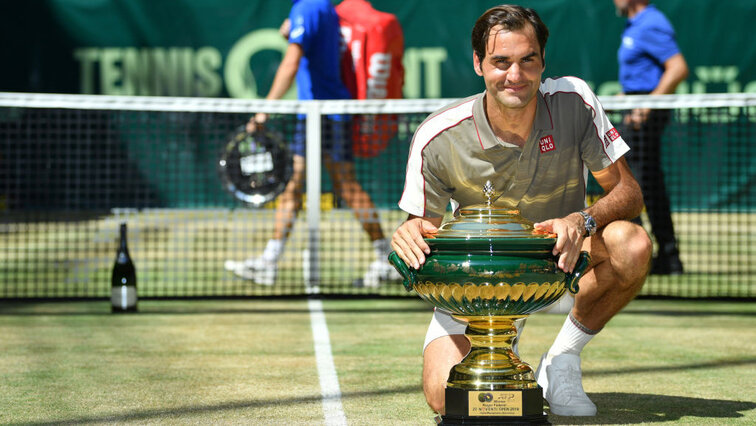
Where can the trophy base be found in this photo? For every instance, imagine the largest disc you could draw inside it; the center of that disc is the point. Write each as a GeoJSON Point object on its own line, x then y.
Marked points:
{"type": "Point", "coordinates": [484, 407]}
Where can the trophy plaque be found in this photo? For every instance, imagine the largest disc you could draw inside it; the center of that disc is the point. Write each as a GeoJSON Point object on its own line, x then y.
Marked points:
{"type": "Point", "coordinates": [489, 267]}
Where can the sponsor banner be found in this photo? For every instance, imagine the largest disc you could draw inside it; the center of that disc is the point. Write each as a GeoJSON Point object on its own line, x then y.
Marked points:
{"type": "Point", "coordinates": [231, 48]}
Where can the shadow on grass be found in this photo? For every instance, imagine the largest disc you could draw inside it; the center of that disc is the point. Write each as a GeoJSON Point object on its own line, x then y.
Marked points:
{"type": "Point", "coordinates": [614, 408]}
{"type": "Point", "coordinates": [174, 414]}
{"type": "Point", "coordinates": [632, 408]}
{"type": "Point", "coordinates": [719, 363]}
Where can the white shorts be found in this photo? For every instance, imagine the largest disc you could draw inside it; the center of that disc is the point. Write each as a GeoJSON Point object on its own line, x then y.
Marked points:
{"type": "Point", "coordinates": [443, 324]}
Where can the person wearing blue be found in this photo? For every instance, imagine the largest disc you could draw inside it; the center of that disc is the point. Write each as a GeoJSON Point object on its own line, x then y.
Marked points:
{"type": "Point", "coordinates": [313, 59]}
{"type": "Point", "coordinates": [650, 62]}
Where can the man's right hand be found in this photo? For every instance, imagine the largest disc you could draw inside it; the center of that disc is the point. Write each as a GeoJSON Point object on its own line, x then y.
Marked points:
{"type": "Point", "coordinates": [408, 240]}
{"type": "Point", "coordinates": [257, 120]}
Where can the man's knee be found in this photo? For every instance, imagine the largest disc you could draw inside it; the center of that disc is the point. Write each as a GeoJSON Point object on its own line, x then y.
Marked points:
{"type": "Point", "coordinates": [629, 246]}
{"type": "Point", "coordinates": [439, 357]}
{"type": "Point", "coordinates": [435, 399]}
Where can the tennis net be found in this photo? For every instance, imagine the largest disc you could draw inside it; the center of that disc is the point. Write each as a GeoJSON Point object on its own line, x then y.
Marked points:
{"type": "Point", "coordinates": [73, 167]}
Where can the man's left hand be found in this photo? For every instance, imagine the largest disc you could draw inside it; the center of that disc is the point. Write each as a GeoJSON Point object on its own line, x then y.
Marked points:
{"type": "Point", "coordinates": [637, 117]}
{"type": "Point", "coordinates": [570, 231]}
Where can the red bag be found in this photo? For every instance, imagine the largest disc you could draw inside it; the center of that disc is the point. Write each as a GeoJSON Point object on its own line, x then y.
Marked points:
{"type": "Point", "coordinates": [372, 69]}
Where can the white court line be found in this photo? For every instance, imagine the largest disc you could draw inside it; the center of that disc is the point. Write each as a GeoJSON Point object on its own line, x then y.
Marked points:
{"type": "Point", "coordinates": [329, 381]}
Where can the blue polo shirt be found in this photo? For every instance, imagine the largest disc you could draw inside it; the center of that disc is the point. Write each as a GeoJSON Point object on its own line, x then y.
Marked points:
{"type": "Point", "coordinates": [647, 42]}
{"type": "Point", "coordinates": [315, 27]}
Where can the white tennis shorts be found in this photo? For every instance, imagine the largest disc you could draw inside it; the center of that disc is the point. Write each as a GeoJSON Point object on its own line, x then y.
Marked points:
{"type": "Point", "coordinates": [443, 324]}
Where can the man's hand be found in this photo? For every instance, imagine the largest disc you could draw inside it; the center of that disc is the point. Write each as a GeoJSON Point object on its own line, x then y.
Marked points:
{"type": "Point", "coordinates": [285, 28]}
{"type": "Point", "coordinates": [408, 240]}
{"type": "Point", "coordinates": [570, 230]}
{"type": "Point", "coordinates": [257, 120]}
{"type": "Point", "coordinates": [637, 117]}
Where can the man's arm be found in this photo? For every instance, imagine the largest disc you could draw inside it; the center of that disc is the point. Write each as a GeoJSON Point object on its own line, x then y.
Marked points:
{"type": "Point", "coordinates": [408, 240]}
{"type": "Point", "coordinates": [286, 71]}
{"type": "Point", "coordinates": [622, 199]}
{"type": "Point", "coordinates": [285, 74]}
{"type": "Point", "coordinates": [675, 71]}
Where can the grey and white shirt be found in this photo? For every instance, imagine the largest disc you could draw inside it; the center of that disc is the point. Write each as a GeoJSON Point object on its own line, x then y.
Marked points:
{"type": "Point", "coordinates": [454, 152]}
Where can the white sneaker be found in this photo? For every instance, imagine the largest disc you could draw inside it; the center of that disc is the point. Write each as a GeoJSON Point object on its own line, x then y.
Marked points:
{"type": "Point", "coordinates": [561, 380]}
{"type": "Point", "coordinates": [378, 272]}
{"type": "Point", "coordinates": [256, 269]}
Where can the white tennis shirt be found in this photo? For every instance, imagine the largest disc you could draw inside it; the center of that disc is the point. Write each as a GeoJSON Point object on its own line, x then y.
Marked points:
{"type": "Point", "coordinates": [454, 153]}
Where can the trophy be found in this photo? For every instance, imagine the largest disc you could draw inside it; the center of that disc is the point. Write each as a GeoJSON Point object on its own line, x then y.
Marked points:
{"type": "Point", "coordinates": [489, 267]}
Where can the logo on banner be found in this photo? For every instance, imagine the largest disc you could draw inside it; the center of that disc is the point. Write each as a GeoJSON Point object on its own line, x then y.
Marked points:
{"type": "Point", "coordinates": [547, 144]}
{"type": "Point", "coordinates": [610, 137]}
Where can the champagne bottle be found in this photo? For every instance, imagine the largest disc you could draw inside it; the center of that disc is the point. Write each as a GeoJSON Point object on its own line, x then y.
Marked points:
{"type": "Point", "coordinates": [123, 296]}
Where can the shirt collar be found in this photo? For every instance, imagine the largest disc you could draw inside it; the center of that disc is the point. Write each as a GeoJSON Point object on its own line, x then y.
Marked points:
{"type": "Point", "coordinates": [641, 14]}
{"type": "Point", "coordinates": [485, 132]}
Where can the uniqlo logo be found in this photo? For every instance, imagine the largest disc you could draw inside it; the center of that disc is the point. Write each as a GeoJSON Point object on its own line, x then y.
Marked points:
{"type": "Point", "coordinates": [612, 134]}
{"type": "Point", "coordinates": [547, 144]}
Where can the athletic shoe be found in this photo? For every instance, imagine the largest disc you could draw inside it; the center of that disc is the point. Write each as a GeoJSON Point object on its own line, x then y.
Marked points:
{"type": "Point", "coordinates": [664, 265]}
{"type": "Point", "coordinates": [561, 379]}
{"type": "Point", "coordinates": [256, 269]}
{"type": "Point", "coordinates": [378, 272]}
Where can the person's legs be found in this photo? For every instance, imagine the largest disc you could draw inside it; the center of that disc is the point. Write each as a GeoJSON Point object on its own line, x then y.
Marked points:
{"type": "Point", "coordinates": [657, 200]}
{"type": "Point", "coordinates": [439, 357]}
{"type": "Point", "coordinates": [445, 346]}
{"type": "Point", "coordinates": [645, 161]}
{"type": "Point", "coordinates": [339, 162]}
{"type": "Point", "coordinates": [290, 201]}
{"type": "Point", "coordinates": [263, 269]}
{"type": "Point", "coordinates": [347, 187]}
{"type": "Point", "coordinates": [620, 256]}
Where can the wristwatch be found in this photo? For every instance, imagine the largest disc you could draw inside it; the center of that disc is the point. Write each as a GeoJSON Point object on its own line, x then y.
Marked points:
{"type": "Point", "coordinates": [589, 225]}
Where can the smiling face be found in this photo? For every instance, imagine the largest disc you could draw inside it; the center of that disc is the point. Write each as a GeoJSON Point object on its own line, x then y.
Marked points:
{"type": "Point", "coordinates": [512, 67]}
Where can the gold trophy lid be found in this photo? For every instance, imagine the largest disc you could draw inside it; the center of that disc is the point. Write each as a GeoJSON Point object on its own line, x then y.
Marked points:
{"type": "Point", "coordinates": [480, 226]}
{"type": "Point", "coordinates": [485, 221]}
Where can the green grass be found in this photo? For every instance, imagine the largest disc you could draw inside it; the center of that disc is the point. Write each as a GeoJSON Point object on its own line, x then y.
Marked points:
{"type": "Point", "coordinates": [252, 362]}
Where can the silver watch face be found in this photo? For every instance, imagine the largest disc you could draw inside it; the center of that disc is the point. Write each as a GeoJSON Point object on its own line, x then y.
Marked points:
{"type": "Point", "coordinates": [590, 224]}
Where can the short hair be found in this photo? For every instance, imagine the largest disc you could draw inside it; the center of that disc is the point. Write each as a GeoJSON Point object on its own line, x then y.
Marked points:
{"type": "Point", "coordinates": [511, 18]}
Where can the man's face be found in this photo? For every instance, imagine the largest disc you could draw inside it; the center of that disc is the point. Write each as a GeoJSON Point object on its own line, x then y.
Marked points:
{"type": "Point", "coordinates": [622, 7]}
{"type": "Point", "coordinates": [512, 67]}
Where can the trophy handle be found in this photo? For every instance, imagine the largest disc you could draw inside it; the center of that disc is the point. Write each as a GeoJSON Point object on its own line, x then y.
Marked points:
{"type": "Point", "coordinates": [404, 270]}
{"type": "Point", "coordinates": [572, 278]}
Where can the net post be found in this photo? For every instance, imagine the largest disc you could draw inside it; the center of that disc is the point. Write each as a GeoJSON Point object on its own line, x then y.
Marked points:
{"type": "Point", "coordinates": [313, 161]}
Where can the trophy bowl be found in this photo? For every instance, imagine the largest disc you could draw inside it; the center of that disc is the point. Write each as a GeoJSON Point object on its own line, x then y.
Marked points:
{"type": "Point", "coordinates": [489, 267]}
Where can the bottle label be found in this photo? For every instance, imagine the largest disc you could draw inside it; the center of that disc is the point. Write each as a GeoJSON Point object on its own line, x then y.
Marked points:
{"type": "Point", "coordinates": [123, 297]}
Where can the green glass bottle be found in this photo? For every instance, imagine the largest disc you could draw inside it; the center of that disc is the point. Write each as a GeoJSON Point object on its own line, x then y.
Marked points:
{"type": "Point", "coordinates": [123, 296]}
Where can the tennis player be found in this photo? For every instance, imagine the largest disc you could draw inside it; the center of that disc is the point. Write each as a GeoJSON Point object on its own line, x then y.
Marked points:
{"type": "Point", "coordinates": [535, 141]}
{"type": "Point", "coordinates": [313, 58]}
